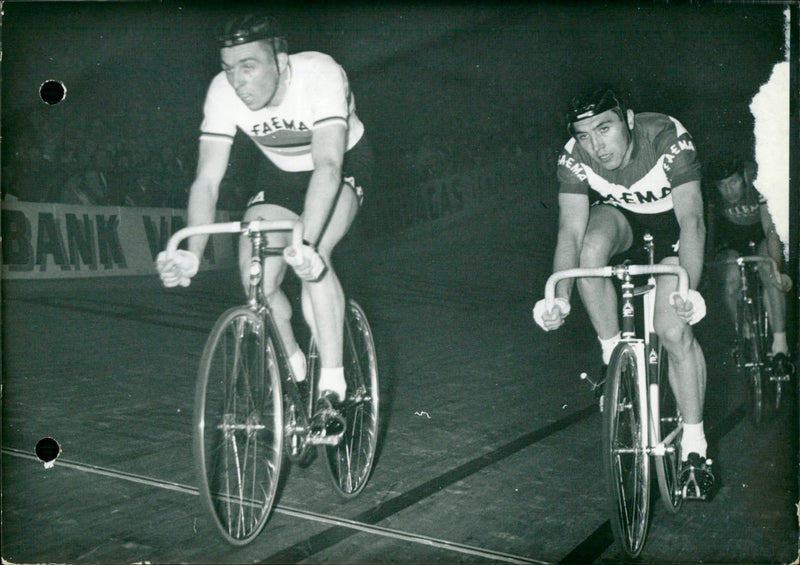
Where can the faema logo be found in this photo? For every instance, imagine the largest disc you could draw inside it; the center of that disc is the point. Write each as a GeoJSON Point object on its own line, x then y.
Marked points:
{"type": "Point", "coordinates": [653, 357]}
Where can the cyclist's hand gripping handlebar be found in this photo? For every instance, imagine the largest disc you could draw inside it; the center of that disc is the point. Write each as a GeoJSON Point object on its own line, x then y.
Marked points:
{"type": "Point", "coordinates": [303, 258]}
{"type": "Point", "coordinates": [691, 309]}
{"type": "Point", "coordinates": [176, 266]}
{"type": "Point", "coordinates": [552, 318]}
{"type": "Point", "coordinates": [550, 301]}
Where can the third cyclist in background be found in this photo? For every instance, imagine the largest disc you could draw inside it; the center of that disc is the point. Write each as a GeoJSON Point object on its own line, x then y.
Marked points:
{"type": "Point", "coordinates": [742, 225]}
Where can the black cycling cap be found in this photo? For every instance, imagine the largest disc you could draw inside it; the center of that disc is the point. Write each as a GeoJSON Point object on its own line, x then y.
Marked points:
{"type": "Point", "coordinates": [249, 28]}
{"type": "Point", "coordinates": [599, 101]}
{"type": "Point", "coordinates": [723, 166]}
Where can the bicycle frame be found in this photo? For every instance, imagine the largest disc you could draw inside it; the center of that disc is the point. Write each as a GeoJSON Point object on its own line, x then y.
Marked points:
{"type": "Point", "coordinates": [751, 286]}
{"type": "Point", "coordinates": [632, 423]}
{"type": "Point", "coordinates": [752, 357]}
{"type": "Point", "coordinates": [647, 374]}
{"type": "Point", "coordinates": [238, 457]}
{"type": "Point", "coordinates": [255, 230]}
{"type": "Point", "coordinates": [752, 295]}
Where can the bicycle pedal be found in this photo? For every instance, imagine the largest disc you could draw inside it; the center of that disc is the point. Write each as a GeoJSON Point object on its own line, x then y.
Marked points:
{"type": "Point", "coordinates": [699, 482]}
{"type": "Point", "coordinates": [327, 428]}
{"type": "Point", "coordinates": [693, 493]}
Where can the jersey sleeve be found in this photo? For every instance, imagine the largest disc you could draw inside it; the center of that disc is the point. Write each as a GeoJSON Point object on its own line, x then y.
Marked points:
{"type": "Point", "coordinates": [328, 94]}
{"type": "Point", "coordinates": [572, 178]}
{"type": "Point", "coordinates": [681, 163]}
{"type": "Point", "coordinates": [218, 123]}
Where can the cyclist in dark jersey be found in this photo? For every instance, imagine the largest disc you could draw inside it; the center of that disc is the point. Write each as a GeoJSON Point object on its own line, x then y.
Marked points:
{"type": "Point", "coordinates": [622, 174]}
{"type": "Point", "coordinates": [742, 225]}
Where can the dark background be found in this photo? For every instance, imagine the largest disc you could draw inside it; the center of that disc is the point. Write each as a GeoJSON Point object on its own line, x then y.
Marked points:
{"type": "Point", "coordinates": [444, 90]}
{"type": "Point", "coordinates": [480, 82]}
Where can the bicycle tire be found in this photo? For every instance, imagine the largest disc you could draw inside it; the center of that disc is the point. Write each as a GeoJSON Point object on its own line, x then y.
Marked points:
{"type": "Point", "coordinates": [669, 418]}
{"type": "Point", "coordinates": [238, 425]}
{"type": "Point", "coordinates": [350, 462]}
{"type": "Point", "coordinates": [625, 461]}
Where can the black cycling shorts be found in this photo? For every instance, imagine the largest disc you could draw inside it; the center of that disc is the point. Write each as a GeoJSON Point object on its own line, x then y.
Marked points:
{"type": "Point", "coordinates": [663, 227]}
{"type": "Point", "coordinates": [288, 189]}
{"type": "Point", "coordinates": [739, 238]}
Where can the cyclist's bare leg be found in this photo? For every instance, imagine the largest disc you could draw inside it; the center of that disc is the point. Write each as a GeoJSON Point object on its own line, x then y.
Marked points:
{"type": "Point", "coordinates": [274, 270]}
{"type": "Point", "coordinates": [607, 234]}
{"type": "Point", "coordinates": [731, 284]}
{"type": "Point", "coordinates": [323, 301]}
{"type": "Point", "coordinates": [774, 300]}
{"type": "Point", "coordinates": [687, 365]}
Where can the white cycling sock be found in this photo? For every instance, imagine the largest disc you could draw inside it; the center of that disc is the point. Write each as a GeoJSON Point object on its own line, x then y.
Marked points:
{"type": "Point", "coordinates": [608, 346]}
{"type": "Point", "coordinates": [298, 362]}
{"type": "Point", "coordinates": [779, 344]}
{"type": "Point", "coordinates": [332, 379]}
{"type": "Point", "coordinates": [694, 441]}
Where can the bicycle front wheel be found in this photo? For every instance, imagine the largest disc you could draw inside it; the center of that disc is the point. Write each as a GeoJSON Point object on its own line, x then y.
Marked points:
{"type": "Point", "coordinates": [625, 460]}
{"type": "Point", "coordinates": [238, 424]}
{"type": "Point", "coordinates": [751, 356]}
{"type": "Point", "coordinates": [350, 462]}
{"type": "Point", "coordinates": [669, 422]}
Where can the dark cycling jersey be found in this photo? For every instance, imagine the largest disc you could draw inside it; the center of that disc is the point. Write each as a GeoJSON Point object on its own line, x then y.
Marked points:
{"type": "Point", "coordinates": [663, 157]}
{"type": "Point", "coordinates": [739, 223]}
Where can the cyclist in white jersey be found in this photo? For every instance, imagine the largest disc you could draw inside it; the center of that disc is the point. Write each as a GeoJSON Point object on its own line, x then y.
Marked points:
{"type": "Point", "coordinates": [300, 113]}
{"type": "Point", "coordinates": [622, 174]}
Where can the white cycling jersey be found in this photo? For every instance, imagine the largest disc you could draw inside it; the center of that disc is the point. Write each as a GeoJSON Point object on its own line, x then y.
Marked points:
{"type": "Point", "coordinates": [318, 95]}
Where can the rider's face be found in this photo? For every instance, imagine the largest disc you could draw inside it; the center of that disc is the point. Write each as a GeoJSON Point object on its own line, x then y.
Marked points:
{"type": "Point", "coordinates": [252, 71]}
{"type": "Point", "coordinates": [606, 137]}
{"type": "Point", "coordinates": [732, 188]}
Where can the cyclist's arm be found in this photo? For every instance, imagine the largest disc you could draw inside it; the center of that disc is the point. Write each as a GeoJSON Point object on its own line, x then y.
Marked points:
{"type": "Point", "coordinates": [573, 217]}
{"type": "Point", "coordinates": [212, 163]}
{"type": "Point", "coordinates": [774, 245]}
{"type": "Point", "coordinates": [687, 203]}
{"type": "Point", "coordinates": [328, 146]}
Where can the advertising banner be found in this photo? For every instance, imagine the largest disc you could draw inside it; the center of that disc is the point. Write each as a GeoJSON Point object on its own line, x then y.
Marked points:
{"type": "Point", "coordinates": [42, 241]}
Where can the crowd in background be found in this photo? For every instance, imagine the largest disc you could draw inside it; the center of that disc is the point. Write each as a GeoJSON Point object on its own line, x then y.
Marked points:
{"type": "Point", "coordinates": [74, 158]}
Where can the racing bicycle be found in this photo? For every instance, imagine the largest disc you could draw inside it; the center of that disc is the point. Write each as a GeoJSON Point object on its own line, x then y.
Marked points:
{"type": "Point", "coordinates": [640, 414]}
{"type": "Point", "coordinates": [752, 334]}
{"type": "Point", "coordinates": [250, 409]}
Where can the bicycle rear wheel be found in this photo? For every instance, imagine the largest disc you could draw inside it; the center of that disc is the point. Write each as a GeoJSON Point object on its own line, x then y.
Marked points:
{"type": "Point", "coordinates": [625, 461]}
{"type": "Point", "coordinates": [238, 425]}
{"type": "Point", "coordinates": [669, 419]}
{"type": "Point", "coordinates": [350, 462]}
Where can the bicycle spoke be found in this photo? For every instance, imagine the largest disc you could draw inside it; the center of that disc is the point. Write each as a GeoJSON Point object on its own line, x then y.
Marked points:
{"type": "Point", "coordinates": [350, 462]}
{"type": "Point", "coordinates": [626, 461]}
{"type": "Point", "coordinates": [238, 431]}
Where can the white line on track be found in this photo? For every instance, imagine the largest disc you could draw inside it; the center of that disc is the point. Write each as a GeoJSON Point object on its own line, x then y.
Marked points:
{"type": "Point", "coordinates": [295, 512]}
